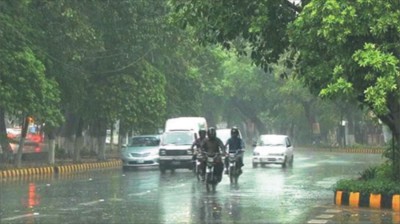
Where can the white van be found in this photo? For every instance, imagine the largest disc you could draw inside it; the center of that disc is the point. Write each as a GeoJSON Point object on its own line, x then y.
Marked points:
{"type": "Point", "coordinates": [176, 141]}
{"type": "Point", "coordinates": [186, 123]}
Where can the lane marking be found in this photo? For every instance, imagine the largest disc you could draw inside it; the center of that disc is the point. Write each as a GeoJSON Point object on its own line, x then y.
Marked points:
{"type": "Point", "coordinates": [19, 217]}
{"type": "Point", "coordinates": [139, 194]}
{"type": "Point", "coordinates": [333, 211]}
{"type": "Point", "coordinates": [325, 216]}
{"type": "Point", "coordinates": [317, 221]}
{"type": "Point", "coordinates": [92, 202]}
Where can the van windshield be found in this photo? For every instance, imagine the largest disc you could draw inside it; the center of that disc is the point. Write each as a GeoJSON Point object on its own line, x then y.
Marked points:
{"type": "Point", "coordinates": [178, 138]}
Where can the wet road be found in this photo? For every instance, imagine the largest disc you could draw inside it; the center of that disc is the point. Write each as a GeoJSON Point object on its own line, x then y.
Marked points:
{"type": "Point", "coordinates": [270, 194]}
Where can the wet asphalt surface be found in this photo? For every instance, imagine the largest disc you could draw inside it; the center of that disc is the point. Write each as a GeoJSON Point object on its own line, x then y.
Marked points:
{"type": "Point", "coordinates": [271, 194]}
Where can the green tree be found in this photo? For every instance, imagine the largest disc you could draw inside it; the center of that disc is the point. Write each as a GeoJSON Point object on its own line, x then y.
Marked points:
{"type": "Point", "coordinates": [25, 88]}
{"type": "Point", "coordinates": [351, 49]}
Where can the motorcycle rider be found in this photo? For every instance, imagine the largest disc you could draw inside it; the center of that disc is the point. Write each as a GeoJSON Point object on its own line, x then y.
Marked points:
{"type": "Point", "coordinates": [213, 145]}
{"type": "Point", "coordinates": [197, 145]}
{"type": "Point", "coordinates": [235, 145]}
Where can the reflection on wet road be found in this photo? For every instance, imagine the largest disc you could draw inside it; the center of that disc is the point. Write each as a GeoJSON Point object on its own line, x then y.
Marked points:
{"type": "Point", "coordinates": [270, 194]}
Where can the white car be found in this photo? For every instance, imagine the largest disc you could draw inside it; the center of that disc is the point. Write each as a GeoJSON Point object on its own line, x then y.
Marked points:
{"type": "Point", "coordinates": [273, 149]}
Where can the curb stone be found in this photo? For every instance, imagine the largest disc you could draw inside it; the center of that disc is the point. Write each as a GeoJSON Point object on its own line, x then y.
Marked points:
{"type": "Point", "coordinates": [50, 170]}
{"type": "Point", "coordinates": [377, 201]}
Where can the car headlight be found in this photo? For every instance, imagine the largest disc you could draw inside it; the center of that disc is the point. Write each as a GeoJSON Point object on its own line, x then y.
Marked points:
{"type": "Point", "coordinates": [162, 152]}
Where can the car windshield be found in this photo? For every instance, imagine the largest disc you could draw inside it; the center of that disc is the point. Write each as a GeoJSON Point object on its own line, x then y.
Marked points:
{"type": "Point", "coordinates": [272, 141]}
{"type": "Point", "coordinates": [144, 141]}
{"type": "Point", "coordinates": [178, 138]}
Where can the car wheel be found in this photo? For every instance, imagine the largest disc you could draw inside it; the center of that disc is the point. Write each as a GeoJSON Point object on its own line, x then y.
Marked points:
{"type": "Point", "coordinates": [162, 168]}
{"type": "Point", "coordinates": [291, 161]}
{"type": "Point", "coordinates": [284, 162]}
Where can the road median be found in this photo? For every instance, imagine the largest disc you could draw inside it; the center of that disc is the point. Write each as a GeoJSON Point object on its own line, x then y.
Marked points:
{"type": "Point", "coordinates": [56, 169]}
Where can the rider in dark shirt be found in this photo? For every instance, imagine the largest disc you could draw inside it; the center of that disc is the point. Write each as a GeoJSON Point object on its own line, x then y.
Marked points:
{"type": "Point", "coordinates": [197, 148]}
{"type": "Point", "coordinates": [212, 146]}
{"type": "Point", "coordinates": [197, 144]}
{"type": "Point", "coordinates": [235, 145]}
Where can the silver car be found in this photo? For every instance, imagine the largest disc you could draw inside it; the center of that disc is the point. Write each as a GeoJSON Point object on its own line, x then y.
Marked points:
{"type": "Point", "coordinates": [141, 151]}
{"type": "Point", "coordinates": [273, 149]}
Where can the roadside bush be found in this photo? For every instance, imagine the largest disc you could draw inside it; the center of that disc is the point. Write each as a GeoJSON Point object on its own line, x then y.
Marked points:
{"type": "Point", "coordinates": [369, 173]}
{"type": "Point", "coordinates": [376, 180]}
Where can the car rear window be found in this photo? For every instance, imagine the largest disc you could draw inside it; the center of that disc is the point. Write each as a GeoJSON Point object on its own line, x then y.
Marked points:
{"type": "Point", "coordinates": [144, 141]}
{"type": "Point", "coordinates": [266, 140]}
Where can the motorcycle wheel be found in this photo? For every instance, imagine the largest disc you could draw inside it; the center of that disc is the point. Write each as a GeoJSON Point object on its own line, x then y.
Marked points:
{"type": "Point", "coordinates": [208, 181]}
{"type": "Point", "coordinates": [232, 174]}
{"type": "Point", "coordinates": [198, 173]}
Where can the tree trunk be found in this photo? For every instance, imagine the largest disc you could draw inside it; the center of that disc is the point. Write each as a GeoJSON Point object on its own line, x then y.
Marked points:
{"type": "Point", "coordinates": [4, 143]}
{"type": "Point", "coordinates": [51, 146]}
{"type": "Point", "coordinates": [78, 141]}
{"type": "Point", "coordinates": [68, 132]}
{"type": "Point", "coordinates": [101, 132]}
{"type": "Point", "coordinates": [392, 120]}
{"type": "Point", "coordinates": [102, 149]}
{"type": "Point", "coordinates": [311, 118]}
{"type": "Point", "coordinates": [18, 158]}
{"type": "Point", "coordinates": [112, 137]}
{"type": "Point", "coordinates": [247, 112]}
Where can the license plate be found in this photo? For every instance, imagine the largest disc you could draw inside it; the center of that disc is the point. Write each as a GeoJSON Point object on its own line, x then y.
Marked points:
{"type": "Point", "coordinates": [176, 163]}
{"type": "Point", "coordinates": [269, 160]}
{"type": "Point", "coordinates": [140, 161]}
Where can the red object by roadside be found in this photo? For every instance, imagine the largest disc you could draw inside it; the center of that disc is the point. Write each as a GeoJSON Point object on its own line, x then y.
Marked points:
{"type": "Point", "coordinates": [34, 137]}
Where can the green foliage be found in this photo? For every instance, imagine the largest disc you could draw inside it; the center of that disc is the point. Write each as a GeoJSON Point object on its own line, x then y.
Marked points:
{"type": "Point", "coordinates": [224, 22]}
{"type": "Point", "coordinates": [377, 180]}
{"type": "Point", "coordinates": [25, 87]}
{"type": "Point", "coordinates": [369, 173]}
{"type": "Point", "coordinates": [354, 37]}
{"type": "Point", "coordinates": [382, 186]}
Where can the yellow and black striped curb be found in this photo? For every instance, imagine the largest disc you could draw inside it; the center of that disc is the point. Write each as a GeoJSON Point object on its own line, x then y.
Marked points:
{"type": "Point", "coordinates": [86, 166]}
{"type": "Point", "coordinates": [58, 169]}
{"type": "Point", "coordinates": [348, 150]}
{"type": "Point", "coordinates": [26, 172]}
{"type": "Point", "coordinates": [356, 199]}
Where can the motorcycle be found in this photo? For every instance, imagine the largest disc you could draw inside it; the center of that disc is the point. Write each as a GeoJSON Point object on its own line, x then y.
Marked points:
{"type": "Point", "coordinates": [234, 169]}
{"type": "Point", "coordinates": [211, 177]}
{"type": "Point", "coordinates": [198, 168]}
